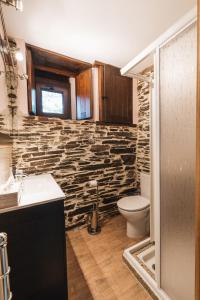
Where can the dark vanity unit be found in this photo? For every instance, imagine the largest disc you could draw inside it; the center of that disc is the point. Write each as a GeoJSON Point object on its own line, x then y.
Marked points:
{"type": "Point", "coordinates": [36, 248]}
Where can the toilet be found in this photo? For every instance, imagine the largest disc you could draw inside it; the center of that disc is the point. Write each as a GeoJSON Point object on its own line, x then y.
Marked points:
{"type": "Point", "coordinates": [136, 210]}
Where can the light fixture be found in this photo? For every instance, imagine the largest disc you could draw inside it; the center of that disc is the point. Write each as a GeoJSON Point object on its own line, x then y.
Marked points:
{"type": "Point", "coordinates": [18, 4]}
{"type": "Point", "coordinates": [10, 55]}
{"type": "Point", "coordinates": [18, 55]}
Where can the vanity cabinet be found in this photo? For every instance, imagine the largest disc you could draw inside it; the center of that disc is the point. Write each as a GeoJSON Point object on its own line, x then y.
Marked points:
{"type": "Point", "coordinates": [37, 251]}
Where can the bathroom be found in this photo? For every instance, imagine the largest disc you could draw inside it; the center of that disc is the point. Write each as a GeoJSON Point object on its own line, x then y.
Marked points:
{"type": "Point", "coordinates": [99, 150]}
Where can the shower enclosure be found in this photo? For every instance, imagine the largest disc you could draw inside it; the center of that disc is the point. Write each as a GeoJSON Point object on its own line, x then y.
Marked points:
{"type": "Point", "coordinates": [177, 164]}
{"type": "Point", "coordinates": [173, 163]}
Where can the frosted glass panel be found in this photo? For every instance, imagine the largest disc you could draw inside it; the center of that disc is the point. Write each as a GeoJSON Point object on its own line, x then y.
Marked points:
{"type": "Point", "coordinates": [52, 102]}
{"type": "Point", "coordinates": [177, 146]}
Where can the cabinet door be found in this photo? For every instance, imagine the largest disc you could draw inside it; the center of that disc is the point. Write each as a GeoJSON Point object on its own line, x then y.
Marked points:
{"type": "Point", "coordinates": [31, 90]}
{"type": "Point", "coordinates": [37, 251]}
{"type": "Point", "coordinates": [84, 95]}
{"type": "Point", "coordinates": [117, 96]}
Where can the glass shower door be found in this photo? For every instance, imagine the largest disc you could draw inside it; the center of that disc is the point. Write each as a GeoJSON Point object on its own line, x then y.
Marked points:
{"type": "Point", "coordinates": [177, 164]}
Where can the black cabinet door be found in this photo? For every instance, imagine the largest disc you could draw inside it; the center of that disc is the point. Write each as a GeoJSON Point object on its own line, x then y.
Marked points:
{"type": "Point", "coordinates": [37, 252]}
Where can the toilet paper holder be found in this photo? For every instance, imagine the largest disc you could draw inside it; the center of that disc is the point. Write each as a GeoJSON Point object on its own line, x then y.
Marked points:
{"type": "Point", "coordinates": [93, 225]}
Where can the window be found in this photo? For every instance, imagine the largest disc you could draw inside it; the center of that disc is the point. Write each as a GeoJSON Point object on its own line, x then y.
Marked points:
{"type": "Point", "coordinates": [52, 95]}
{"type": "Point", "coordinates": [48, 86]}
{"type": "Point", "coordinates": [52, 102]}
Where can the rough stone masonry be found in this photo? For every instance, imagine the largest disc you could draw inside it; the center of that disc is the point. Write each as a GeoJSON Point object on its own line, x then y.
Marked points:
{"type": "Point", "coordinates": [143, 160]}
{"type": "Point", "coordinates": [76, 152]}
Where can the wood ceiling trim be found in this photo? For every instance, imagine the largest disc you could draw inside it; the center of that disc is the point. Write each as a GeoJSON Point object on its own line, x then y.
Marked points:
{"type": "Point", "coordinates": [54, 70]}
{"type": "Point", "coordinates": [50, 59]}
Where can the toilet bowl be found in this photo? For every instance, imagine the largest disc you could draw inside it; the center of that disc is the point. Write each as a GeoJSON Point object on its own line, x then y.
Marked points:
{"type": "Point", "coordinates": [136, 210]}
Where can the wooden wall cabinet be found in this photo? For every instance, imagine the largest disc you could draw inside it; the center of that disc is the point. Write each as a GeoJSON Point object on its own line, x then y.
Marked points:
{"type": "Point", "coordinates": [115, 96]}
{"type": "Point", "coordinates": [115, 91]}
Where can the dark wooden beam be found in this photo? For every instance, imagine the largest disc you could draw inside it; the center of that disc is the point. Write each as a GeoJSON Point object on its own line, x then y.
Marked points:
{"type": "Point", "coordinates": [53, 59]}
{"type": "Point", "coordinates": [55, 70]}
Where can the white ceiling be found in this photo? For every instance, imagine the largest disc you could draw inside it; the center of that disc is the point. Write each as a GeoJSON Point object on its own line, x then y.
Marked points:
{"type": "Point", "coordinates": [111, 31]}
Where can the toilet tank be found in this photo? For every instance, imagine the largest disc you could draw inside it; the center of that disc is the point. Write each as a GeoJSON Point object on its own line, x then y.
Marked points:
{"type": "Point", "coordinates": [145, 185]}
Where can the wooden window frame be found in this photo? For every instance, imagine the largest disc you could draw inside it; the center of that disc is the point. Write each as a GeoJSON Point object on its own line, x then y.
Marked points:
{"type": "Point", "coordinates": [39, 59]}
{"type": "Point", "coordinates": [54, 86]}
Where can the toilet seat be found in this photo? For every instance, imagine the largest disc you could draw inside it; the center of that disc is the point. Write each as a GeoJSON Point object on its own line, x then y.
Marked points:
{"type": "Point", "coordinates": [133, 203]}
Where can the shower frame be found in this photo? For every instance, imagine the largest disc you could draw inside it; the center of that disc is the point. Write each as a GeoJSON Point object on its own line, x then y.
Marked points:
{"type": "Point", "coordinates": [197, 208]}
{"type": "Point", "coordinates": [154, 50]}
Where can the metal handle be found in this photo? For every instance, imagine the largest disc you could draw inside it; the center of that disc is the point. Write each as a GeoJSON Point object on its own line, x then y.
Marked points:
{"type": "Point", "coordinates": [5, 293]}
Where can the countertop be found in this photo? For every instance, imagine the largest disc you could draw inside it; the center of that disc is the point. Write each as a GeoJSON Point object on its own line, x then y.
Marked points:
{"type": "Point", "coordinates": [37, 190]}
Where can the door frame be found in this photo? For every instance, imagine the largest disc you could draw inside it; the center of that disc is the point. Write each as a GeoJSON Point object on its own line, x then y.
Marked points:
{"type": "Point", "coordinates": [176, 30]}
{"type": "Point", "coordinates": [197, 210]}
{"type": "Point", "coordinates": [128, 70]}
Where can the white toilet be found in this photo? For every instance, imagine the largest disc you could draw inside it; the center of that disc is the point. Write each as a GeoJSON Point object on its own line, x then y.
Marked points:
{"type": "Point", "coordinates": [136, 210]}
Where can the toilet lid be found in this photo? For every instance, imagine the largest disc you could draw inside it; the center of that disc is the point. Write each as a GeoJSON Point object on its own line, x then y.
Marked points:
{"type": "Point", "coordinates": [133, 203]}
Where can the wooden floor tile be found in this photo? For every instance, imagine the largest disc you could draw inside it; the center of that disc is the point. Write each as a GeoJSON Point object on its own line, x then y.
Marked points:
{"type": "Point", "coordinates": [100, 260]}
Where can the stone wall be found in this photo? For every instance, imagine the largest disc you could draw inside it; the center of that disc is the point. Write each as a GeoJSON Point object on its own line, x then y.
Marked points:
{"type": "Point", "coordinates": [75, 153]}
{"type": "Point", "coordinates": [144, 122]}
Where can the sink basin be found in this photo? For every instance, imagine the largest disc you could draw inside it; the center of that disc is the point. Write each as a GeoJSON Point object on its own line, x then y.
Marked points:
{"type": "Point", "coordinates": [31, 190]}
{"type": "Point", "coordinates": [39, 188]}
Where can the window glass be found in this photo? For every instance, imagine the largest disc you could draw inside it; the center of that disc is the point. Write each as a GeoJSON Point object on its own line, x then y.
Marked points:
{"type": "Point", "coordinates": [52, 102]}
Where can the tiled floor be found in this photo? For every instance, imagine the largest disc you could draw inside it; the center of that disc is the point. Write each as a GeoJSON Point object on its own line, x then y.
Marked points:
{"type": "Point", "coordinates": [100, 260]}
{"type": "Point", "coordinates": [77, 285]}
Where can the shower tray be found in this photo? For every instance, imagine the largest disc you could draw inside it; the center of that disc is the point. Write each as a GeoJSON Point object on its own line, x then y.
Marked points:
{"type": "Point", "coordinates": [140, 259]}
{"type": "Point", "coordinates": [147, 258]}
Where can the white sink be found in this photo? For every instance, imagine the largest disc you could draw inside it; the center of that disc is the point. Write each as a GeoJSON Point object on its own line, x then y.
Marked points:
{"type": "Point", "coordinates": [39, 188]}
{"type": "Point", "coordinates": [35, 189]}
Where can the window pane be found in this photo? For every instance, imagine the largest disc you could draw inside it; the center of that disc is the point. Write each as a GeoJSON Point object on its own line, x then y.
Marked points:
{"type": "Point", "coordinates": [52, 102]}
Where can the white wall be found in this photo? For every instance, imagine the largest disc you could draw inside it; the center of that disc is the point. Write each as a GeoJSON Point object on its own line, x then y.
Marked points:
{"type": "Point", "coordinates": [5, 163]}
{"type": "Point", "coordinates": [22, 100]}
{"type": "Point", "coordinates": [82, 34]}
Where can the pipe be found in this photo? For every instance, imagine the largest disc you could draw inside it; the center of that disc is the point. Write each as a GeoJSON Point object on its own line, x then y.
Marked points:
{"type": "Point", "coordinates": [5, 293]}
{"type": "Point", "coordinates": [7, 41]}
{"type": "Point", "coordinates": [142, 78]}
